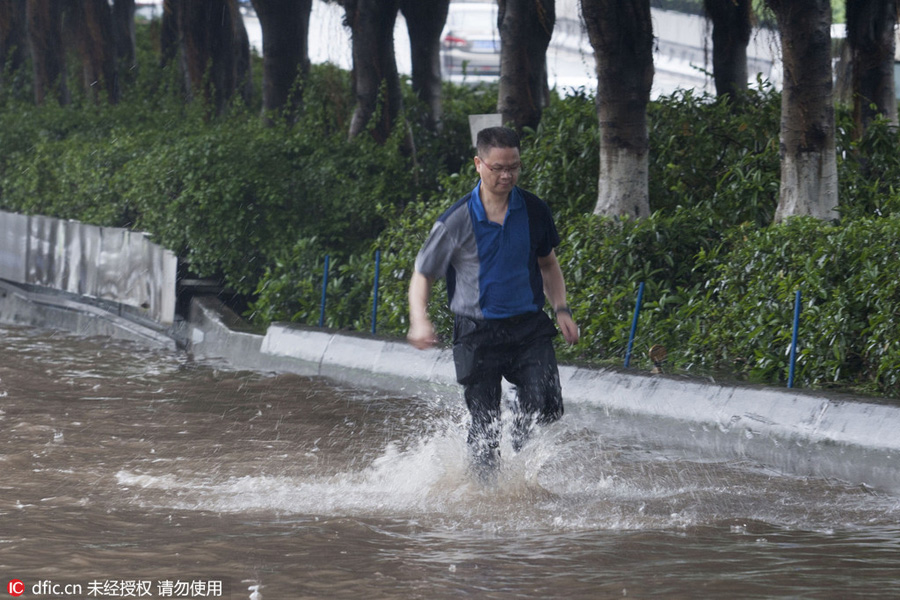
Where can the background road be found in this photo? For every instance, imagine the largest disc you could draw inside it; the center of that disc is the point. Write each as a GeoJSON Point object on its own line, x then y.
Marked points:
{"type": "Point", "coordinates": [679, 59]}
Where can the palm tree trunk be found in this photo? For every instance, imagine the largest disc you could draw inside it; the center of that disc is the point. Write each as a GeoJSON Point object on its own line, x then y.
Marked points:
{"type": "Point", "coordinates": [870, 35]}
{"type": "Point", "coordinates": [730, 36]}
{"type": "Point", "coordinates": [525, 29]}
{"type": "Point", "coordinates": [808, 161]}
{"type": "Point", "coordinates": [621, 34]}
{"type": "Point", "coordinates": [45, 42]}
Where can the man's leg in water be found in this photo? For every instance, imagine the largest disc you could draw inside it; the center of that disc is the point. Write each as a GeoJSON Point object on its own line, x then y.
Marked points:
{"type": "Point", "coordinates": [483, 400]}
{"type": "Point", "coordinates": [478, 370]}
{"type": "Point", "coordinates": [536, 377]}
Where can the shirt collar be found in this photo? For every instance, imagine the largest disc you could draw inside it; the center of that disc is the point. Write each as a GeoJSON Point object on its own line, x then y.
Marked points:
{"type": "Point", "coordinates": [515, 201]}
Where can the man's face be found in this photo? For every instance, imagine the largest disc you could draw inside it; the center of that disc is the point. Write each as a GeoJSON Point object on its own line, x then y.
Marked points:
{"type": "Point", "coordinates": [499, 169]}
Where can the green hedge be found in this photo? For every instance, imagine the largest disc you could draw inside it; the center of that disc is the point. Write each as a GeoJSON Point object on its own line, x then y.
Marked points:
{"type": "Point", "coordinates": [261, 206]}
{"type": "Point", "coordinates": [716, 294]}
{"type": "Point", "coordinates": [231, 196]}
{"type": "Point", "coordinates": [847, 276]}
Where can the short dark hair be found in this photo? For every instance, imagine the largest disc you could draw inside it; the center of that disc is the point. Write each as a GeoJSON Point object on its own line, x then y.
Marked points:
{"type": "Point", "coordinates": [496, 137]}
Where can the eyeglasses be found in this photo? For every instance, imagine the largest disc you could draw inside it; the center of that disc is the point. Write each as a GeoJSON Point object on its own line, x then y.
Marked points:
{"type": "Point", "coordinates": [500, 170]}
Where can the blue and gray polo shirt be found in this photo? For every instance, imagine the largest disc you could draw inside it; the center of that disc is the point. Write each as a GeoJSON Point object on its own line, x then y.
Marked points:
{"type": "Point", "coordinates": [491, 269]}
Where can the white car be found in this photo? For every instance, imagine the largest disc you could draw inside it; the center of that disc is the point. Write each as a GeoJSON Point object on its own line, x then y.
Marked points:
{"type": "Point", "coordinates": [470, 42]}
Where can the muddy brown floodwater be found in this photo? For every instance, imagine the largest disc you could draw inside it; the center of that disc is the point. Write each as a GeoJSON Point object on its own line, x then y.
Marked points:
{"type": "Point", "coordinates": [136, 473]}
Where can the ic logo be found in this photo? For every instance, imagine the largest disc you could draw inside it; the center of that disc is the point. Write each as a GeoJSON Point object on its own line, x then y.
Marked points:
{"type": "Point", "coordinates": [15, 587]}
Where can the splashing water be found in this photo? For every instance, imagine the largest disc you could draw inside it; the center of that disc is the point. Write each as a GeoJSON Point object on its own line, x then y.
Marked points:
{"type": "Point", "coordinates": [120, 463]}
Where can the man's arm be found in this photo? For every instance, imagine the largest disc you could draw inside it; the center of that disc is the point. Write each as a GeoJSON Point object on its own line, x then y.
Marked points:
{"type": "Point", "coordinates": [421, 330]}
{"type": "Point", "coordinates": [555, 290]}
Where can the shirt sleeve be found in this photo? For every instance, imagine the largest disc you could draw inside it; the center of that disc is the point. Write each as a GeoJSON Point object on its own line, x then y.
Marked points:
{"type": "Point", "coordinates": [550, 238]}
{"type": "Point", "coordinates": [434, 256]}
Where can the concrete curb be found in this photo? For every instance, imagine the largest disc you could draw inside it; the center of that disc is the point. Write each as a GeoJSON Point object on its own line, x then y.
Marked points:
{"type": "Point", "coordinates": [798, 431]}
{"type": "Point", "coordinates": [59, 310]}
{"type": "Point", "coordinates": [788, 414]}
{"type": "Point", "coordinates": [801, 432]}
{"type": "Point", "coordinates": [358, 360]}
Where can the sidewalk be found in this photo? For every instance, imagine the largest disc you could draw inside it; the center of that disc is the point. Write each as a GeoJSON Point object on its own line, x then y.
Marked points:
{"type": "Point", "coordinates": [683, 48]}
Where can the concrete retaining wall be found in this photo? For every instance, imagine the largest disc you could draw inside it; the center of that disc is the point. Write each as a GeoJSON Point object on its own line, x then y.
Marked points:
{"type": "Point", "coordinates": [105, 263]}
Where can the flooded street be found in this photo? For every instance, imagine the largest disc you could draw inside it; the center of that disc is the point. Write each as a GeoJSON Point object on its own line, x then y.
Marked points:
{"type": "Point", "coordinates": [128, 471]}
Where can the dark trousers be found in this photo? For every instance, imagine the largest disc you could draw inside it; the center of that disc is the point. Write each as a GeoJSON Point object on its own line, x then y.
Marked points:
{"type": "Point", "coordinates": [519, 349]}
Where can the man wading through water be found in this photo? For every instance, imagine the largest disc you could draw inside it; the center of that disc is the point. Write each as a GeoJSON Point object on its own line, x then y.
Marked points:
{"type": "Point", "coordinates": [495, 247]}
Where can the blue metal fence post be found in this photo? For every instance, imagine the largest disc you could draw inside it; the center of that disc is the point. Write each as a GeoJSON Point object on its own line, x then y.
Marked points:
{"type": "Point", "coordinates": [793, 363]}
{"type": "Point", "coordinates": [324, 293]}
{"type": "Point", "coordinates": [634, 322]}
{"type": "Point", "coordinates": [375, 290]}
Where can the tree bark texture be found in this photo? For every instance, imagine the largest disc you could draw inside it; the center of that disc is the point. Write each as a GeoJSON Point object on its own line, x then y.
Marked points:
{"type": "Point", "coordinates": [215, 49]}
{"type": "Point", "coordinates": [45, 43]}
{"type": "Point", "coordinates": [13, 39]}
{"type": "Point", "coordinates": [123, 30]}
{"type": "Point", "coordinates": [285, 37]}
{"type": "Point", "coordinates": [92, 29]}
{"type": "Point", "coordinates": [376, 83]}
{"type": "Point", "coordinates": [808, 161]}
{"type": "Point", "coordinates": [525, 29]}
{"type": "Point", "coordinates": [241, 46]}
{"type": "Point", "coordinates": [870, 36]}
{"type": "Point", "coordinates": [168, 35]}
{"type": "Point", "coordinates": [621, 34]}
{"type": "Point", "coordinates": [730, 37]}
{"type": "Point", "coordinates": [424, 21]}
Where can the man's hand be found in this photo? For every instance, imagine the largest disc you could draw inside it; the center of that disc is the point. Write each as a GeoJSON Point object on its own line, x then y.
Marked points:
{"type": "Point", "coordinates": [567, 326]}
{"type": "Point", "coordinates": [421, 334]}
